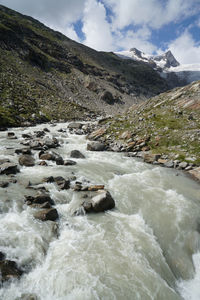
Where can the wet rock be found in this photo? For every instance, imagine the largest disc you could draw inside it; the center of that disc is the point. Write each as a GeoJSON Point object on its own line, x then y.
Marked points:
{"type": "Point", "coordinates": [8, 168]}
{"type": "Point", "coordinates": [26, 136]}
{"type": "Point", "coordinates": [95, 187]}
{"type": "Point", "coordinates": [26, 160]}
{"type": "Point", "coordinates": [76, 154]}
{"type": "Point", "coordinates": [50, 214]}
{"type": "Point", "coordinates": [96, 146]}
{"type": "Point", "coordinates": [62, 183]}
{"type": "Point", "coordinates": [9, 270]}
{"type": "Point", "coordinates": [59, 160]}
{"type": "Point", "coordinates": [11, 135]}
{"type": "Point", "coordinates": [151, 158]}
{"type": "Point", "coordinates": [49, 179]}
{"type": "Point", "coordinates": [75, 125]}
{"type": "Point", "coordinates": [26, 151]}
{"type": "Point", "coordinates": [40, 133]}
{"type": "Point", "coordinates": [46, 130]}
{"type": "Point", "coordinates": [4, 184]}
{"type": "Point", "coordinates": [27, 297]}
{"type": "Point", "coordinates": [2, 256]}
{"type": "Point", "coordinates": [46, 156]}
{"type": "Point", "coordinates": [102, 202]}
{"type": "Point", "coordinates": [87, 205]}
{"type": "Point", "coordinates": [69, 162]}
{"type": "Point", "coordinates": [41, 198]}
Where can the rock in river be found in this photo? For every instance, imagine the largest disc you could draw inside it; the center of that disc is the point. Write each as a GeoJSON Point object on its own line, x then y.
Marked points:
{"type": "Point", "coordinates": [76, 154]}
{"type": "Point", "coordinates": [8, 168]}
{"type": "Point", "coordinates": [26, 160]}
{"type": "Point", "coordinates": [96, 146]}
{"type": "Point", "coordinates": [50, 214]}
{"type": "Point", "coordinates": [9, 270]}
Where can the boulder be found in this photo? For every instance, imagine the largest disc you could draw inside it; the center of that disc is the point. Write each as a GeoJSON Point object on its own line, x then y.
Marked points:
{"type": "Point", "coordinates": [76, 154]}
{"type": "Point", "coordinates": [182, 165]}
{"type": "Point", "coordinates": [11, 135]}
{"type": "Point", "coordinates": [26, 136]}
{"type": "Point", "coordinates": [26, 160]}
{"type": "Point", "coordinates": [40, 198]}
{"type": "Point", "coordinates": [8, 168]}
{"type": "Point", "coordinates": [59, 161]}
{"type": "Point", "coordinates": [96, 146]}
{"type": "Point", "coordinates": [62, 183]}
{"type": "Point", "coordinates": [9, 270]}
{"type": "Point", "coordinates": [50, 214]}
{"type": "Point", "coordinates": [69, 162]}
{"type": "Point", "coordinates": [102, 202]}
{"type": "Point", "coordinates": [151, 158]}
{"type": "Point", "coordinates": [46, 156]}
{"type": "Point", "coordinates": [23, 151]}
{"type": "Point", "coordinates": [75, 125]}
{"type": "Point", "coordinates": [169, 164]}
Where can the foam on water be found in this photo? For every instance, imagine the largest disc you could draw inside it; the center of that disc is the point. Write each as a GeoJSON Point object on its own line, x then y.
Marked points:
{"type": "Point", "coordinates": [143, 249]}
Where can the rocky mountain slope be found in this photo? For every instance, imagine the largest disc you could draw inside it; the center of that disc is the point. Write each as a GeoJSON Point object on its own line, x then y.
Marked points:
{"type": "Point", "coordinates": [166, 65]}
{"type": "Point", "coordinates": [167, 125]}
{"type": "Point", "coordinates": [45, 75]}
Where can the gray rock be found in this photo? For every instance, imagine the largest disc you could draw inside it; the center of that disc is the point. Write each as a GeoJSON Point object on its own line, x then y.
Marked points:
{"type": "Point", "coordinates": [96, 146]}
{"type": "Point", "coordinates": [183, 165]}
{"type": "Point", "coordinates": [26, 160]}
{"type": "Point", "coordinates": [41, 198]}
{"type": "Point", "coordinates": [150, 158]}
{"type": "Point", "coordinates": [75, 125]}
{"type": "Point", "coordinates": [69, 162]}
{"type": "Point", "coordinates": [102, 202]}
{"type": "Point", "coordinates": [169, 164]}
{"type": "Point", "coordinates": [8, 168]}
{"type": "Point", "coordinates": [50, 214]}
{"type": "Point", "coordinates": [76, 154]}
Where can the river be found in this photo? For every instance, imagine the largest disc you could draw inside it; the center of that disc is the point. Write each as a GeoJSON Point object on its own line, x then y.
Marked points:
{"type": "Point", "coordinates": [145, 248]}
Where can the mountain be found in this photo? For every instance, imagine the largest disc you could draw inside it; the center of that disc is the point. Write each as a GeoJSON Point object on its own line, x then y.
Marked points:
{"type": "Point", "coordinates": [45, 75]}
{"type": "Point", "coordinates": [166, 65]}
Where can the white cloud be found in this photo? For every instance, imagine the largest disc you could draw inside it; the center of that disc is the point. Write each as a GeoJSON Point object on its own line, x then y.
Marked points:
{"type": "Point", "coordinates": [95, 26]}
{"type": "Point", "coordinates": [59, 15]}
{"type": "Point", "coordinates": [152, 12]}
{"type": "Point", "coordinates": [185, 49]}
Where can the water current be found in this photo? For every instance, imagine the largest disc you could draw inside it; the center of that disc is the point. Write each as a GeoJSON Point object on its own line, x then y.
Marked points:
{"type": "Point", "coordinates": [145, 248]}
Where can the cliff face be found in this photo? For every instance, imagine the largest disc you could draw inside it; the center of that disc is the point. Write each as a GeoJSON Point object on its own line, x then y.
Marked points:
{"type": "Point", "coordinates": [45, 75]}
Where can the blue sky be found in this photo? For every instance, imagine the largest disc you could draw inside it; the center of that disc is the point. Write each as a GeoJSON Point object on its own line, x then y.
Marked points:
{"type": "Point", "coordinates": [152, 26]}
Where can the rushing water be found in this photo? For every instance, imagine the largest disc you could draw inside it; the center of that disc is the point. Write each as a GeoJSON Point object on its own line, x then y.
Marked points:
{"type": "Point", "coordinates": [146, 248]}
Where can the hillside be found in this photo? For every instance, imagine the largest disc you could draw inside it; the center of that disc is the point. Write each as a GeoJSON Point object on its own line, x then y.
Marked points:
{"type": "Point", "coordinates": [168, 124]}
{"type": "Point", "coordinates": [45, 75]}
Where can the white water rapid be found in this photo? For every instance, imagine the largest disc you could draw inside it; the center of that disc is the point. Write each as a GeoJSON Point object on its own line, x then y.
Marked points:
{"type": "Point", "coordinates": [146, 248]}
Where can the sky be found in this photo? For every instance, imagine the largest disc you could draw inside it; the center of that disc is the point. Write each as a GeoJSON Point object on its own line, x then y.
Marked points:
{"type": "Point", "coordinates": [152, 26]}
